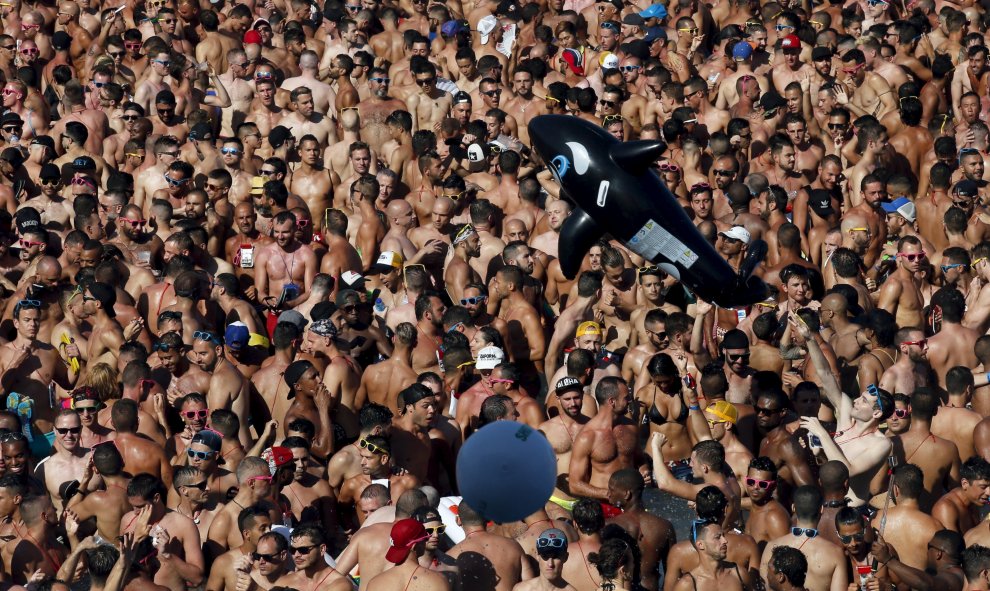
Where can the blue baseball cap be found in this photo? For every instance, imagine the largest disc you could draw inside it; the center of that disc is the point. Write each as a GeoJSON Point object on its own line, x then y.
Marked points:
{"type": "Point", "coordinates": [654, 33]}
{"type": "Point", "coordinates": [655, 11]}
{"type": "Point", "coordinates": [742, 51]}
{"type": "Point", "coordinates": [236, 336]}
{"type": "Point", "coordinates": [902, 206]}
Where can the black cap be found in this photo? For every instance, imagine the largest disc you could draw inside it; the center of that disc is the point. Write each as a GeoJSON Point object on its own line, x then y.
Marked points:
{"type": "Point", "coordinates": [965, 188]}
{"type": "Point", "coordinates": [27, 219]}
{"type": "Point", "coordinates": [12, 155]}
{"type": "Point", "coordinates": [278, 136]}
{"type": "Point", "coordinates": [61, 40]}
{"type": "Point", "coordinates": [772, 101]}
{"type": "Point", "coordinates": [105, 294]}
{"type": "Point", "coordinates": [83, 163]}
{"type": "Point", "coordinates": [820, 202]}
{"type": "Point", "coordinates": [322, 311]}
{"type": "Point", "coordinates": [50, 171]}
{"type": "Point", "coordinates": [165, 97]}
{"type": "Point", "coordinates": [820, 53]}
{"type": "Point", "coordinates": [201, 131]}
{"type": "Point", "coordinates": [461, 97]}
{"type": "Point", "coordinates": [568, 383]}
{"type": "Point", "coordinates": [11, 118]}
{"type": "Point", "coordinates": [633, 19]}
{"type": "Point", "coordinates": [44, 140]}
{"type": "Point", "coordinates": [508, 8]}
{"type": "Point", "coordinates": [294, 373]}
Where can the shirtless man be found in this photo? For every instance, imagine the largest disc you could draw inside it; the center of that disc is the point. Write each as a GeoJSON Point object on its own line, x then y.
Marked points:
{"type": "Point", "coordinates": [606, 443]}
{"type": "Point", "coordinates": [70, 459]}
{"type": "Point", "coordinates": [254, 485]}
{"type": "Point", "coordinates": [526, 342]}
{"type": "Point", "coordinates": [311, 181]}
{"type": "Point", "coordinates": [712, 572]}
{"type": "Point", "coordinates": [901, 293]}
{"type": "Point", "coordinates": [253, 521]}
{"type": "Point", "coordinates": [382, 382]}
{"type": "Point", "coordinates": [768, 520]}
{"type": "Point", "coordinates": [654, 534]}
{"type": "Point", "coordinates": [376, 108]}
{"type": "Point", "coordinates": [107, 505]}
{"type": "Point", "coordinates": [430, 105]}
{"type": "Point", "coordinates": [908, 527]}
{"type": "Point", "coordinates": [306, 120]}
{"type": "Point", "coordinates": [863, 91]}
{"type": "Point", "coordinates": [903, 375]}
{"type": "Point", "coordinates": [376, 467]}
{"type": "Point", "coordinates": [227, 387]}
{"type": "Point", "coordinates": [309, 498]}
{"type": "Point", "coordinates": [504, 555]}
{"type": "Point", "coordinates": [281, 281]}
{"type": "Point", "coordinates": [562, 430]}
{"type": "Point", "coordinates": [959, 508]}
{"type": "Point", "coordinates": [308, 545]}
{"type": "Point", "coordinates": [557, 212]}
{"type": "Point", "coordinates": [466, 245]}
{"type": "Point", "coordinates": [140, 454]}
{"type": "Point", "coordinates": [827, 568]}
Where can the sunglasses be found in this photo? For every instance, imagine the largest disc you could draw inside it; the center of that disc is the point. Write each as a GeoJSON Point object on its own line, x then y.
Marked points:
{"type": "Point", "coordinates": [739, 357]}
{"type": "Point", "coordinates": [630, 68]}
{"type": "Point", "coordinates": [229, 151]}
{"type": "Point", "coordinates": [263, 76]}
{"type": "Point", "coordinates": [200, 485]}
{"type": "Point", "coordinates": [669, 167]}
{"type": "Point", "coordinates": [426, 81]}
{"type": "Point", "coordinates": [30, 51]}
{"type": "Point", "coordinates": [371, 447]}
{"type": "Point", "coordinates": [199, 455]}
{"type": "Point", "coordinates": [606, 103]}
{"type": "Point", "coordinates": [269, 558]}
{"type": "Point", "coordinates": [67, 430]}
{"type": "Point", "coordinates": [920, 343]}
{"type": "Point", "coordinates": [436, 530]}
{"type": "Point", "coordinates": [381, 80]}
{"type": "Point", "coordinates": [205, 335]}
{"type": "Point", "coordinates": [173, 182]}
{"type": "Point", "coordinates": [901, 413]}
{"type": "Point", "coordinates": [116, 54]}
{"type": "Point", "coordinates": [264, 478]}
{"type": "Point", "coordinates": [302, 549]}
{"type": "Point", "coordinates": [129, 117]}
{"type": "Point", "coordinates": [493, 93]}
{"type": "Point", "coordinates": [610, 118]}
{"type": "Point", "coordinates": [783, 27]}
{"type": "Point", "coordinates": [766, 411]}
{"type": "Point", "coordinates": [473, 300]}
{"type": "Point", "coordinates": [9, 92]}
{"type": "Point", "coordinates": [134, 223]}
{"type": "Point", "coordinates": [87, 409]}
{"type": "Point", "coordinates": [302, 223]}
{"type": "Point", "coordinates": [847, 539]}
{"type": "Point", "coordinates": [51, 182]}
{"type": "Point", "coordinates": [545, 543]}
{"type": "Point", "coordinates": [196, 414]}
{"type": "Point", "coordinates": [805, 531]}
{"type": "Point", "coordinates": [29, 243]}
{"type": "Point", "coordinates": [164, 347]}
{"type": "Point", "coordinates": [912, 256]}
{"type": "Point", "coordinates": [763, 484]}
{"type": "Point", "coordinates": [134, 45]}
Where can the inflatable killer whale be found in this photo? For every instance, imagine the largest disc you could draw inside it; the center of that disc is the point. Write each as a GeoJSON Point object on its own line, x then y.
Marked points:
{"type": "Point", "coordinates": [616, 191]}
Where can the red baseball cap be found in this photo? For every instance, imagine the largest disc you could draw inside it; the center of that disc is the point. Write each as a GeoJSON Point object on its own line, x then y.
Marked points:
{"type": "Point", "coordinates": [277, 457]}
{"type": "Point", "coordinates": [252, 37]}
{"type": "Point", "coordinates": [406, 533]}
{"type": "Point", "coordinates": [790, 42]}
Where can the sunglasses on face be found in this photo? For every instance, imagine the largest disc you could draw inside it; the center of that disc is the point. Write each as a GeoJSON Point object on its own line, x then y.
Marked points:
{"type": "Point", "coordinates": [302, 549]}
{"type": "Point", "coordinates": [229, 151]}
{"type": "Point", "coordinates": [50, 182]}
{"type": "Point", "coordinates": [606, 103]}
{"type": "Point", "coordinates": [165, 63]}
{"type": "Point", "coordinates": [858, 537]}
{"type": "Point", "coordinates": [381, 80]}
{"type": "Point", "coordinates": [436, 530]}
{"type": "Point", "coordinates": [473, 300]}
{"type": "Point", "coordinates": [912, 256]}
{"type": "Point", "coordinates": [29, 243]}
{"type": "Point", "coordinates": [30, 51]}
{"type": "Point", "coordinates": [920, 343]}
{"type": "Point", "coordinates": [134, 45]}
{"type": "Point", "coordinates": [200, 485]}
{"type": "Point", "coordinates": [836, 126]}
{"type": "Point", "coordinates": [67, 430]}
{"type": "Point", "coordinates": [302, 223]}
{"type": "Point", "coordinates": [196, 414]}
{"type": "Point", "coordinates": [9, 92]}
{"type": "Point", "coordinates": [740, 357]}
{"type": "Point", "coordinates": [269, 558]}
{"type": "Point", "coordinates": [630, 68]}
{"type": "Point", "coordinates": [669, 167]}
{"type": "Point", "coordinates": [725, 173]}
{"type": "Point", "coordinates": [493, 93]}
{"type": "Point", "coordinates": [425, 81]}
{"type": "Point", "coordinates": [199, 455]}
{"type": "Point", "coordinates": [116, 54]}
{"type": "Point", "coordinates": [175, 182]}
{"type": "Point", "coordinates": [766, 411]}
{"type": "Point", "coordinates": [756, 482]}
{"type": "Point", "coordinates": [901, 413]}
{"type": "Point", "coordinates": [87, 409]}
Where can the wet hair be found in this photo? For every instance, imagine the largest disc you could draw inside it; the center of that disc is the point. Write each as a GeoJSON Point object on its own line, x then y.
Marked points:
{"type": "Point", "coordinates": [807, 501]}
{"type": "Point", "coordinates": [910, 481]}
{"type": "Point", "coordinates": [613, 554]}
{"type": "Point", "coordinates": [588, 516]}
{"type": "Point", "coordinates": [710, 504]}
{"type": "Point", "coordinates": [791, 563]}
{"type": "Point", "coordinates": [975, 468]}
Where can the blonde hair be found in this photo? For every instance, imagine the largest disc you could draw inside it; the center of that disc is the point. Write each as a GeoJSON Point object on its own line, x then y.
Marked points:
{"type": "Point", "coordinates": [104, 379]}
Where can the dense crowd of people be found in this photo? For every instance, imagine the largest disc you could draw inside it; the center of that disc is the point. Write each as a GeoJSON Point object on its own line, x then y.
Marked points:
{"type": "Point", "coordinates": [266, 266]}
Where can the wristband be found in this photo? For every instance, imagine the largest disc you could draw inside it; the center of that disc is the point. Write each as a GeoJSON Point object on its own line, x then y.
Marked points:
{"type": "Point", "coordinates": [694, 407]}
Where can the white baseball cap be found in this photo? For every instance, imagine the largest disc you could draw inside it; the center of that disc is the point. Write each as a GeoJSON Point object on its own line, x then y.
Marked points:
{"type": "Point", "coordinates": [737, 233]}
{"type": "Point", "coordinates": [490, 357]}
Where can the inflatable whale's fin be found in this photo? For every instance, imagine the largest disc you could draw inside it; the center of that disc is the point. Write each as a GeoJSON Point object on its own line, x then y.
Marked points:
{"type": "Point", "coordinates": [637, 157]}
{"type": "Point", "coordinates": [579, 233]}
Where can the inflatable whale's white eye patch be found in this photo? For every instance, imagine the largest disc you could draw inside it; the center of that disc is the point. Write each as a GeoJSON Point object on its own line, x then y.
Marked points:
{"type": "Point", "coordinates": [580, 156]}
{"type": "Point", "coordinates": [559, 167]}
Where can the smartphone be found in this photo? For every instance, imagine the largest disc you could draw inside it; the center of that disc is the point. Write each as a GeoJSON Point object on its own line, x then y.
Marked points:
{"type": "Point", "coordinates": [689, 381]}
{"type": "Point", "coordinates": [247, 256]}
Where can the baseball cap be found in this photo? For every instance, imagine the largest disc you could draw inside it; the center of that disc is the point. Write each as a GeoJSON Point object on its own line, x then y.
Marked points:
{"type": "Point", "coordinates": [236, 336]}
{"type": "Point", "coordinates": [489, 357]}
{"type": "Point", "coordinates": [737, 233]}
{"type": "Point", "coordinates": [84, 163]}
{"type": "Point", "coordinates": [461, 97]}
{"type": "Point", "coordinates": [608, 61]}
{"type": "Point", "coordinates": [588, 327]}
{"type": "Point", "coordinates": [486, 26]}
{"type": "Point", "coordinates": [294, 373]}
{"type": "Point", "coordinates": [61, 40]}
{"type": "Point", "coordinates": [259, 21]}
{"type": "Point", "coordinates": [574, 60]}
{"type": "Point", "coordinates": [477, 153]}
{"type": "Point", "coordinates": [551, 541]}
{"type": "Point", "coordinates": [257, 185]}
{"type": "Point", "coordinates": [387, 262]}
{"type": "Point", "coordinates": [11, 118]}
{"type": "Point", "coordinates": [293, 317]}
{"type": "Point", "coordinates": [902, 206]}
{"type": "Point", "coordinates": [201, 131]}
{"type": "Point", "coordinates": [820, 202]}
{"type": "Point", "coordinates": [790, 42]}
{"type": "Point", "coordinates": [277, 457]}
{"type": "Point", "coordinates": [27, 218]}
{"type": "Point", "coordinates": [165, 97]}
{"type": "Point", "coordinates": [49, 171]}
{"type": "Point", "coordinates": [723, 410]}
{"type": "Point", "coordinates": [820, 53]}
{"type": "Point", "coordinates": [965, 188]}
{"type": "Point", "coordinates": [43, 140]}
{"type": "Point", "coordinates": [771, 101]}
{"type": "Point", "coordinates": [735, 339]}
{"type": "Point", "coordinates": [406, 533]}
{"type": "Point", "coordinates": [654, 33]}
{"type": "Point", "coordinates": [252, 37]}
{"type": "Point", "coordinates": [352, 280]}
{"type": "Point", "coordinates": [742, 51]}
{"type": "Point", "coordinates": [633, 19]}
{"type": "Point", "coordinates": [655, 11]}
{"type": "Point", "coordinates": [567, 383]}
{"type": "Point", "coordinates": [278, 136]}
{"type": "Point", "coordinates": [209, 438]}
{"type": "Point", "coordinates": [451, 28]}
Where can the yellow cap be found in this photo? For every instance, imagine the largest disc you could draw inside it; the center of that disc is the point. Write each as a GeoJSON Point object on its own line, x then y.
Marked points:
{"type": "Point", "coordinates": [588, 327]}
{"type": "Point", "coordinates": [723, 411]}
{"type": "Point", "coordinates": [258, 184]}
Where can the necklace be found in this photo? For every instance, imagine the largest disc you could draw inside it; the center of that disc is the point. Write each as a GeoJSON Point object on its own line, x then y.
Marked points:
{"type": "Point", "coordinates": [195, 516]}
{"type": "Point", "coordinates": [839, 434]}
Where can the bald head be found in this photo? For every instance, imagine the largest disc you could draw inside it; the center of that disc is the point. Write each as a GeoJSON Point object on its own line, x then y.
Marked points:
{"type": "Point", "coordinates": [350, 119]}
{"type": "Point", "coordinates": [835, 302]}
{"type": "Point", "coordinates": [514, 226]}
{"type": "Point", "coordinates": [68, 7]}
{"type": "Point", "coordinates": [444, 205]}
{"type": "Point", "coordinates": [397, 208]}
{"type": "Point", "coordinates": [49, 268]}
{"type": "Point", "coordinates": [244, 208]}
{"type": "Point", "coordinates": [854, 220]}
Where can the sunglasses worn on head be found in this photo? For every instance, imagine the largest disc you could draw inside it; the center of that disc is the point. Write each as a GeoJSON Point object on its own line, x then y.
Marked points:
{"type": "Point", "coordinates": [205, 335]}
